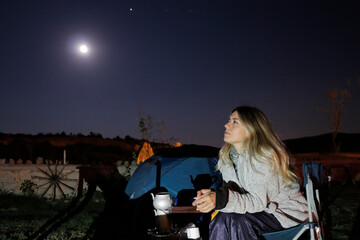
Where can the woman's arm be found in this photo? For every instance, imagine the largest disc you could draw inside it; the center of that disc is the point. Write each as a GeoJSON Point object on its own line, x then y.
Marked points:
{"type": "Point", "coordinates": [260, 185]}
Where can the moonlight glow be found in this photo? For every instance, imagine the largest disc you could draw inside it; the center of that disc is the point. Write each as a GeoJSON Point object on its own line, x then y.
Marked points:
{"type": "Point", "coordinates": [83, 49]}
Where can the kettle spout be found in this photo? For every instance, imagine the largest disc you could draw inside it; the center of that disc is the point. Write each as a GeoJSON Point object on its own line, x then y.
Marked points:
{"type": "Point", "coordinates": [152, 195]}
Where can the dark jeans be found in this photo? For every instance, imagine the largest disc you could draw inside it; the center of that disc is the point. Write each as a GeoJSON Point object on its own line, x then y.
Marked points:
{"type": "Point", "coordinates": [248, 226]}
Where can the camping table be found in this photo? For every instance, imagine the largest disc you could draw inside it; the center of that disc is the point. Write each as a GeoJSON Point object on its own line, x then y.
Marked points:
{"type": "Point", "coordinates": [184, 209]}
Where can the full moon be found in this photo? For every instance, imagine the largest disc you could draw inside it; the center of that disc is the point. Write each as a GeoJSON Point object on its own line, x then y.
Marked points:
{"type": "Point", "coordinates": [83, 49]}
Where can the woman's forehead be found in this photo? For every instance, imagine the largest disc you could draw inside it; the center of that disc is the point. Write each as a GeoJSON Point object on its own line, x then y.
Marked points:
{"type": "Point", "coordinates": [235, 115]}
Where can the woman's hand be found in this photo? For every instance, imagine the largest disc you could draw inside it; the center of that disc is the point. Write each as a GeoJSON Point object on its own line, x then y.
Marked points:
{"type": "Point", "coordinates": [205, 200]}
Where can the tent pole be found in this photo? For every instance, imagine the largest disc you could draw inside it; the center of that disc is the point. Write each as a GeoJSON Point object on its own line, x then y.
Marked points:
{"type": "Point", "coordinates": [158, 173]}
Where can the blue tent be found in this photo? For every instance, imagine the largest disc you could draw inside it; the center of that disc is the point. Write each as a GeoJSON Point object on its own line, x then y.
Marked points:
{"type": "Point", "coordinates": [172, 173]}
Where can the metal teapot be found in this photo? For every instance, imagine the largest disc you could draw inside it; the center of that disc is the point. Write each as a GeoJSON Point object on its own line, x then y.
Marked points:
{"type": "Point", "coordinates": [162, 202]}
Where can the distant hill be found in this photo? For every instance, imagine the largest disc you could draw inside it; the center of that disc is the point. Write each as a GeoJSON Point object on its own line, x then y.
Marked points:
{"type": "Point", "coordinates": [82, 149]}
{"type": "Point", "coordinates": [322, 143]}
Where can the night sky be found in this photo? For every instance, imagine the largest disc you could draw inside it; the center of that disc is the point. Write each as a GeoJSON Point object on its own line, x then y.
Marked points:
{"type": "Point", "coordinates": [188, 63]}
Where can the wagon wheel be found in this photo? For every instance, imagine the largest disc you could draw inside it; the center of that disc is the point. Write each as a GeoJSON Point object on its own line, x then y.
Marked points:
{"type": "Point", "coordinates": [55, 179]}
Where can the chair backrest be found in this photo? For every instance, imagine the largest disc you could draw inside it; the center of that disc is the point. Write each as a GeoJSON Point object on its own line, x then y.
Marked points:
{"type": "Point", "coordinates": [313, 181]}
{"type": "Point", "coordinates": [311, 199]}
{"type": "Point", "coordinates": [316, 171]}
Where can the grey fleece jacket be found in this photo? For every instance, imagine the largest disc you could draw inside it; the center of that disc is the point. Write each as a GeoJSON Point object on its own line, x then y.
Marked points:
{"type": "Point", "coordinates": [264, 190]}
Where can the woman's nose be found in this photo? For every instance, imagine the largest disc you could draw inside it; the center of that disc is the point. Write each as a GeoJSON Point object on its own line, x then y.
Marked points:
{"type": "Point", "coordinates": [227, 125]}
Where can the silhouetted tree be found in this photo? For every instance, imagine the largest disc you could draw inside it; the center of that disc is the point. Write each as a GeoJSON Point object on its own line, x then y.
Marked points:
{"type": "Point", "coordinates": [152, 130]}
{"type": "Point", "coordinates": [146, 125]}
{"type": "Point", "coordinates": [336, 100]}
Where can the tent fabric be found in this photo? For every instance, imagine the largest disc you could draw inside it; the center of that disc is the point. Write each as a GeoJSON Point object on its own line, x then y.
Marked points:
{"type": "Point", "coordinates": [189, 150]}
{"type": "Point", "coordinates": [175, 174]}
{"type": "Point", "coordinates": [145, 153]}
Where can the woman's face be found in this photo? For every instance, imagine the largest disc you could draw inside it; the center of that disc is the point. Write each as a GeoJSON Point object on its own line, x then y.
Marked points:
{"type": "Point", "coordinates": [235, 132]}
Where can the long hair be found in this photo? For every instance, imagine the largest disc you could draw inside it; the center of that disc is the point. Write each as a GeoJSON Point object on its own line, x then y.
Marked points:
{"type": "Point", "coordinates": [263, 142]}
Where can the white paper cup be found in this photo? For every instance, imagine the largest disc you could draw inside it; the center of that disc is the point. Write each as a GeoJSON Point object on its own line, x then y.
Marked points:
{"type": "Point", "coordinates": [193, 233]}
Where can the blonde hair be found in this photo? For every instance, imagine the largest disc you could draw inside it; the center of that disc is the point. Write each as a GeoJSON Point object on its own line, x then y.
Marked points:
{"type": "Point", "coordinates": [262, 142]}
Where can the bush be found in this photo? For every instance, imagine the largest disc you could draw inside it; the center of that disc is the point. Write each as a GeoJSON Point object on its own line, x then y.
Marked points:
{"type": "Point", "coordinates": [28, 188]}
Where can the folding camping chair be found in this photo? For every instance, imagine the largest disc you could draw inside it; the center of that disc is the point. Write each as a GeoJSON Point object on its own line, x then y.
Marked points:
{"type": "Point", "coordinates": [312, 224]}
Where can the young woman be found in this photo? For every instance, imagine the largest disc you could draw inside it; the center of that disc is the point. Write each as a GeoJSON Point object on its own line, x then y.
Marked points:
{"type": "Point", "coordinates": [260, 194]}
